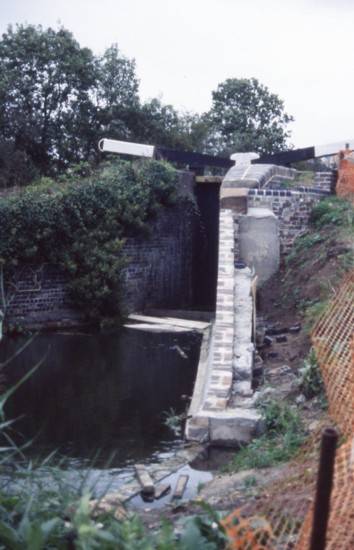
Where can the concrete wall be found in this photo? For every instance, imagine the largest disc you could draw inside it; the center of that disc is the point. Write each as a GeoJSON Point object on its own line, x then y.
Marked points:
{"type": "Point", "coordinates": [259, 245]}
{"type": "Point", "coordinates": [292, 208]}
{"type": "Point", "coordinates": [159, 273]}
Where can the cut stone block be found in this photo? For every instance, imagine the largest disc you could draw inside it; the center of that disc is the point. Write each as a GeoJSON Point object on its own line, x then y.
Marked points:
{"type": "Point", "coordinates": [235, 427]}
{"type": "Point", "coordinates": [244, 388]}
{"type": "Point", "coordinates": [197, 429]}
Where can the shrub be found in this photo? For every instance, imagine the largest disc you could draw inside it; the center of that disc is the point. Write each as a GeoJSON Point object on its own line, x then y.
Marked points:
{"type": "Point", "coordinates": [333, 211]}
{"type": "Point", "coordinates": [81, 224]}
{"type": "Point", "coordinates": [310, 377]}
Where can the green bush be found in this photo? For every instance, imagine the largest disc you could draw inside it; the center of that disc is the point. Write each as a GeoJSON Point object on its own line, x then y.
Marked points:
{"type": "Point", "coordinates": [282, 438]}
{"type": "Point", "coordinates": [311, 378]}
{"type": "Point", "coordinates": [81, 224]}
{"type": "Point", "coordinates": [280, 418]}
{"type": "Point", "coordinates": [333, 211]}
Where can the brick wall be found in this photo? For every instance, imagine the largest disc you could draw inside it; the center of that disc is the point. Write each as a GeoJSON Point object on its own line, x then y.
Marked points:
{"type": "Point", "coordinates": [160, 267]}
{"type": "Point", "coordinates": [293, 209]}
{"type": "Point", "coordinates": [38, 294]}
{"type": "Point", "coordinates": [159, 273]}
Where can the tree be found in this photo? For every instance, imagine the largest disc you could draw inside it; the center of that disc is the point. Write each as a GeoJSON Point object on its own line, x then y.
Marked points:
{"type": "Point", "coordinates": [116, 94]}
{"type": "Point", "coordinates": [57, 99]}
{"type": "Point", "coordinates": [246, 116]}
{"type": "Point", "coordinates": [45, 83]}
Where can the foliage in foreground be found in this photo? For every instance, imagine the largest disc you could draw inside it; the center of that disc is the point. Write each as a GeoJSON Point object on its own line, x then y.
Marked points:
{"type": "Point", "coordinates": [40, 527]}
{"type": "Point", "coordinates": [282, 438]}
{"type": "Point", "coordinates": [80, 224]}
{"type": "Point", "coordinates": [39, 514]}
{"type": "Point", "coordinates": [41, 509]}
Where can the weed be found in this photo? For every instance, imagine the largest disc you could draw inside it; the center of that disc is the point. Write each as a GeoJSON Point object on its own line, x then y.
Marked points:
{"type": "Point", "coordinates": [174, 421]}
{"type": "Point", "coordinates": [265, 452]}
{"type": "Point", "coordinates": [312, 311]}
{"type": "Point", "coordinates": [250, 481]}
{"type": "Point", "coordinates": [200, 486]}
{"type": "Point", "coordinates": [283, 436]}
{"type": "Point", "coordinates": [280, 418]}
{"type": "Point", "coordinates": [308, 240]}
{"type": "Point", "coordinates": [333, 211]}
{"type": "Point", "coordinates": [311, 382]}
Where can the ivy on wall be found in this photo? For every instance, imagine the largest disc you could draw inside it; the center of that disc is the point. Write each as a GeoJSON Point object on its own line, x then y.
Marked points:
{"type": "Point", "coordinates": [80, 223]}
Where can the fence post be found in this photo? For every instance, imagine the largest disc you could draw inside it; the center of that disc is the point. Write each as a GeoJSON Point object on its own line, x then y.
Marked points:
{"type": "Point", "coordinates": [323, 489]}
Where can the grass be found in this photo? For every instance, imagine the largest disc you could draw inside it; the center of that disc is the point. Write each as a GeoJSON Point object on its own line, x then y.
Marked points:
{"type": "Point", "coordinates": [319, 259]}
{"type": "Point", "coordinates": [333, 211]}
{"type": "Point", "coordinates": [283, 436]}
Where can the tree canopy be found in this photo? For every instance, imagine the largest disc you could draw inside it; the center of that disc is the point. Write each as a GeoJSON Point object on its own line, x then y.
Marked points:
{"type": "Point", "coordinates": [246, 116]}
{"type": "Point", "coordinates": [57, 99]}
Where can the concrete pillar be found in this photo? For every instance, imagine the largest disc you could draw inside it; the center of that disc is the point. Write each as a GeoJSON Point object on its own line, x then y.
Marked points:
{"type": "Point", "coordinates": [259, 243]}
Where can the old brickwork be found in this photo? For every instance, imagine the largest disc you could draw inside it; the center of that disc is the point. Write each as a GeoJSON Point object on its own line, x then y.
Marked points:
{"type": "Point", "coordinates": [293, 209]}
{"type": "Point", "coordinates": [38, 293]}
{"type": "Point", "coordinates": [158, 272]}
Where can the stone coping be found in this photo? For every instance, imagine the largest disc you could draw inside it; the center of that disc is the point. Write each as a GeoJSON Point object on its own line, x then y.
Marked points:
{"type": "Point", "coordinates": [298, 190]}
{"type": "Point", "coordinates": [223, 411]}
{"type": "Point", "coordinates": [256, 175]}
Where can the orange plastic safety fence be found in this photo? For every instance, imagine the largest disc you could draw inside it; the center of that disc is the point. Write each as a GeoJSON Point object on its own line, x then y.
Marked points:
{"type": "Point", "coordinates": [281, 518]}
{"type": "Point", "coordinates": [340, 531]}
{"type": "Point", "coordinates": [345, 183]}
{"type": "Point", "coordinates": [331, 338]}
{"type": "Point", "coordinates": [274, 519]}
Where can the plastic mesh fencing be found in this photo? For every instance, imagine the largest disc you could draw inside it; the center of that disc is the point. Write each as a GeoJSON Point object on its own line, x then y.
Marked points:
{"type": "Point", "coordinates": [345, 183]}
{"type": "Point", "coordinates": [281, 518]}
{"type": "Point", "coordinates": [274, 519]}
{"type": "Point", "coordinates": [333, 340]}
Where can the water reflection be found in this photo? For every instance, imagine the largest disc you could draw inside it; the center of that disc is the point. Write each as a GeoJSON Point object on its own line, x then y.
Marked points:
{"type": "Point", "coordinates": [103, 392]}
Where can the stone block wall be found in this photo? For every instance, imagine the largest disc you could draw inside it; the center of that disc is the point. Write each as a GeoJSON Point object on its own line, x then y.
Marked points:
{"type": "Point", "coordinates": [159, 271]}
{"type": "Point", "coordinates": [326, 181]}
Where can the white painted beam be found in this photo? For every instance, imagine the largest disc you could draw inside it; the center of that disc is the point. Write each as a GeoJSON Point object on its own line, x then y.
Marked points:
{"type": "Point", "coordinates": [333, 148]}
{"type": "Point", "coordinates": [126, 148]}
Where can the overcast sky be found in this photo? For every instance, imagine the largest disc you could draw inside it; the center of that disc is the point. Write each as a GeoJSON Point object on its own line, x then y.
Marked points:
{"type": "Point", "coordinates": [301, 49]}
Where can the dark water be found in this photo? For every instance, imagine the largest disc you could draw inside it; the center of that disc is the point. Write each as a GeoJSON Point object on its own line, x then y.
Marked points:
{"type": "Point", "coordinates": [103, 393]}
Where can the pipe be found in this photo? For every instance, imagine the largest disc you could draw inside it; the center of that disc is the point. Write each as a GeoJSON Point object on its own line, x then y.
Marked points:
{"type": "Point", "coordinates": [323, 489]}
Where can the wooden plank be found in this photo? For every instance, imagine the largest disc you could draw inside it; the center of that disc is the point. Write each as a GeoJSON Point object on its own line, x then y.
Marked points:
{"type": "Point", "coordinates": [161, 490]}
{"type": "Point", "coordinates": [180, 486]}
{"type": "Point", "coordinates": [145, 480]}
{"type": "Point", "coordinates": [183, 323]}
